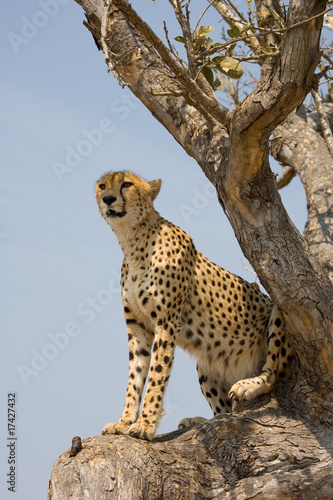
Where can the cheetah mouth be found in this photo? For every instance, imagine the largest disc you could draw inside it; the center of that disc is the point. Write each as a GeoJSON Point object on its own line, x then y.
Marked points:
{"type": "Point", "coordinates": [113, 214]}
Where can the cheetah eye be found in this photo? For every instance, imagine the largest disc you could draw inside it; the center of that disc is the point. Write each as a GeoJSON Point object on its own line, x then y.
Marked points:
{"type": "Point", "coordinates": [126, 185]}
{"type": "Point", "coordinates": [102, 187]}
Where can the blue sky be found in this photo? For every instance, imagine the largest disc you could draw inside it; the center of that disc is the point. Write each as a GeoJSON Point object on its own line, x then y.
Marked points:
{"type": "Point", "coordinates": [64, 338]}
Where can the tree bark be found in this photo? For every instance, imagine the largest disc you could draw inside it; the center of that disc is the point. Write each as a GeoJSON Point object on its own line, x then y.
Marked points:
{"type": "Point", "coordinates": [259, 453]}
{"type": "Point", "coordinates": [282, 447]}
{"type": "Point", "coordinates": [298, 145]}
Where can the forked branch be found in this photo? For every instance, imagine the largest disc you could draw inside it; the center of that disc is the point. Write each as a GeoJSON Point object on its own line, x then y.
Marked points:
{"type": "Point", "coordinates": [198, 96]}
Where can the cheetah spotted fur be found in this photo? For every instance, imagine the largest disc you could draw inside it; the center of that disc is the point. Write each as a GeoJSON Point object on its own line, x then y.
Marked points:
{"type": "Point", "coordinates": [173, 295]}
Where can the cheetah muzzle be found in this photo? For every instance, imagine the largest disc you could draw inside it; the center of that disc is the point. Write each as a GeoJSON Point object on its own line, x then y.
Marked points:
{"type": "Point", "coordinates": [112, 213]}
{"type": "Point", "coordinates": [173, 295]}
{"type": "Point", "coordinates": [108, 200]}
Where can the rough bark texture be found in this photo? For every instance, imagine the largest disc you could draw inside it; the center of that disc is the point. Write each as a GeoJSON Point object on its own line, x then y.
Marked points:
{"type": "Point", "coordinates": [280, 448]}
{"type": "Point", "coordinates": [298, 145]}
{"type": "Point", "coordinates": [259, 454]}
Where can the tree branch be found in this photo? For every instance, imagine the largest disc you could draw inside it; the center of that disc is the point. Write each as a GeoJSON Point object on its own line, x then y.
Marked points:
{"type": "Point", "coordinates": [296, 144]}
{"type": "Point", "coordinates": [184, 23]}
{"type": "Point", "coordinates": [259, 454]}
{"type": "Point", "coordinates": [200, 98]}
{"type": "Point", "coordinates": [325, 126]}
{"type": "Point", "coordinates": [104, 44]}
{"type": "Point", "coordinates": [286, 178]}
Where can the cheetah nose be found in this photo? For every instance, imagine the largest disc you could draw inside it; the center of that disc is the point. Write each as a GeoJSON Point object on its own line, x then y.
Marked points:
{"type": "Point", "coordinates": [108, 200]}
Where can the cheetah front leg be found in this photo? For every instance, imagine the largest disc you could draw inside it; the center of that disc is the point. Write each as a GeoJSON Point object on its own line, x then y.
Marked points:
{"type": "Point", "coordinates": [139, 347]}
{"type": "Point", "coordinates": [160, 369]}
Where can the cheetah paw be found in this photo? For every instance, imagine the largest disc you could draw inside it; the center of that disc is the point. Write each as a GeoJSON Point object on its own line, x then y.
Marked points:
{"type": "Point", "coordinates": [188, 422]}
{"type": "Point", "coordinates": [119, 428]}
{"type": "Point", "coordinates": [142, 431]}
{"type": "Point", "coordinates": [248, 389]}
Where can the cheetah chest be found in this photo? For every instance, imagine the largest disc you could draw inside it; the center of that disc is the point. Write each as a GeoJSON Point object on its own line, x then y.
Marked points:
{"type": "Point", "coordinates": [137, 294]}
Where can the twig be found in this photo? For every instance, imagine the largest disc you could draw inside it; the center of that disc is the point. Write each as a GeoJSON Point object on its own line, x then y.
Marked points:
{"type": "Point", "coordinates": [328, 58]}
{"type": "Point", "coordinates": [260, 52]}
{"type": "Point", "coordinates": [231, 18]}
{"type": "Point", "coordinates": [203, 102]}
{"type": "Point", "coordinates": [258, 58]}
{"type": "Point", "coordinates": [296, 25]}
{"type": "Point", "coordinates": [326, 69]}
{"type": "Point", "coordinates": [286, 178]}
{"type": "Point", "coordinates": [239, 14]}
{"type": "Point", "coordinates": [172, 48]}
{"type": "Point", "coordinates": [184, 23]}
{"type": "Point", "coordinates": [247, 269]}
{"type": "Point", "coordinates": [201, 16]}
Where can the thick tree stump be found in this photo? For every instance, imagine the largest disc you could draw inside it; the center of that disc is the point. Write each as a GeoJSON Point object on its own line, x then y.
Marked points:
{"type": "Point", "coordinates": [258, 454]}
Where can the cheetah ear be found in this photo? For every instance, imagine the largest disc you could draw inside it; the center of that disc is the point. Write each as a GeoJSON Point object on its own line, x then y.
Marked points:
{"type": "Point", "coordinates": [155, 187]}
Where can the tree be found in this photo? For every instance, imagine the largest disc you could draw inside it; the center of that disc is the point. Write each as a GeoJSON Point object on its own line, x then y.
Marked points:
{"type": "Point", "coordinates": [281, 445]}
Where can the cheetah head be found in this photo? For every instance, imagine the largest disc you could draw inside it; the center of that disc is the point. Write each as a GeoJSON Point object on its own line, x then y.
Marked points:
{"type": "Point", "coordinates": [125, 199]}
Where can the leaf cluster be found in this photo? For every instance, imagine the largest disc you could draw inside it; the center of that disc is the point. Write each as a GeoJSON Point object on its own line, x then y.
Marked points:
{"type": "Point", "coordinates": [213, 67]}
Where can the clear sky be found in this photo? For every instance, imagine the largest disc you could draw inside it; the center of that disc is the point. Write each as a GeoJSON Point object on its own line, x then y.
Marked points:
{"type": "Point", "coordinates": [64, 341]}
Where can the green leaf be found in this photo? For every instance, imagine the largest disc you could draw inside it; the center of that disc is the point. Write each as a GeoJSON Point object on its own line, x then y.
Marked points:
{"type": "Point", "coordinates": [231, 48]}
{"type": "Point", "coordinates": [229, 66]}
{"type": "Point", "coordinates": [246, 28]}
{"type": "Point", "coordinates": [219, 83]}
{"type": "Point", "coordinates": [211, 65]}
{"type": "Point", "coordinates": [179, 39]}
{"type": "Point", "coordinates": [234, 31]}
{"type": "Point", "coordinates": [216, 46]}
{"type": "Point", "coordinates": [208, 42]}
{"type": "Point", "coordinates": [209, 75]}
{"type": "Point", "coordinates": [204, 30]}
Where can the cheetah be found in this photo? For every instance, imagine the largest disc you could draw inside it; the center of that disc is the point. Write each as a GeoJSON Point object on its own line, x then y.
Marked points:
{"type": "Point", "coordinates": [173, 295]}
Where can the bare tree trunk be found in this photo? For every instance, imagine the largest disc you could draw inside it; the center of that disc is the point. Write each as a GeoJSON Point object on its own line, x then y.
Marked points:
{"type": "Point", "coordinates": [283, 448]}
